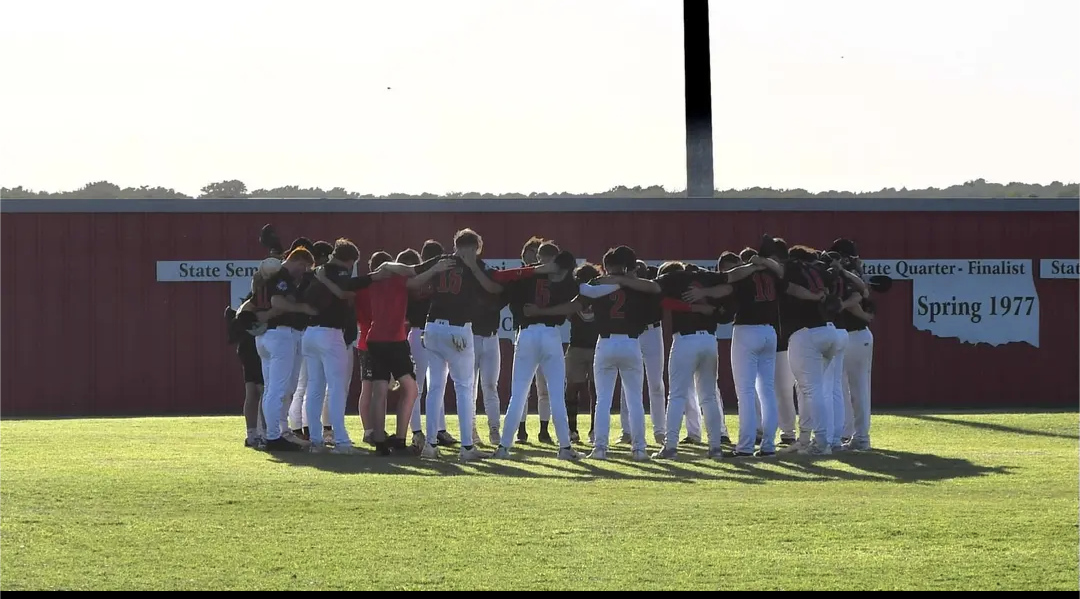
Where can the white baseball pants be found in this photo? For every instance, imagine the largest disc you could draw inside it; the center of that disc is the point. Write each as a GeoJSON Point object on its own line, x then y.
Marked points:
{"type": "Point", "coordinates": [488, 365]}
{"type": "Point", "coordinates": [419, 355]}
{"type": "Point", "coordinates": [327, 360]}
{"type": "Point", "coordinates": [298, 409]}
{"type": "Point", "coordinates": [834, 384]}
{"type": "Point", "coordinates": [810, 352]}
{"type": "Point", "coordinates": [858, 360]}
{"type": "Point", "coordinates": [279, 352]}
{"type": "Point", "coordinates": [652, 351]}
{"type": "Point", "coordinates": [619, 356]}
{"type": "Point", "coordinates": [543, 395]}
{"type": "Point", "coordinates": [785, 395]}
{"type": "Point", "coordinates": [692, 365]}
{"type": "Point", "coordinates": [538, 349]}
{"type": "Point", "coordinates": [450, 350]}
{"type": "Point", "coordinates": [753, 368]}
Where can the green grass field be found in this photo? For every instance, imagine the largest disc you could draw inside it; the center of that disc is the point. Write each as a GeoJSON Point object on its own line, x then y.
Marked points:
{"type": "Point", "coordinates": [948, 501]}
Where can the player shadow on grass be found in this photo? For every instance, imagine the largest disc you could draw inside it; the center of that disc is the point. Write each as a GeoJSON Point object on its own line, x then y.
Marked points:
{"type": "Point", "coordinates": [531, 461]}
{"type": "Point", "coordinates": [988, 426]}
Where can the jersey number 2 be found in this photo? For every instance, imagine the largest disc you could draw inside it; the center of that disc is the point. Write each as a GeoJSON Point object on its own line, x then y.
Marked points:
{"type": "Point", "coordinates": [450, 281]}
{"type": "Point", "coordinates": [619, 299]}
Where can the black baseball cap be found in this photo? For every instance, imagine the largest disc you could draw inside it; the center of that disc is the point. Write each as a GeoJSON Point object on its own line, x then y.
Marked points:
{"type": "Point", "coordinates": [301, 242]}
{"type": "Point", "coordinates": [845, 247]}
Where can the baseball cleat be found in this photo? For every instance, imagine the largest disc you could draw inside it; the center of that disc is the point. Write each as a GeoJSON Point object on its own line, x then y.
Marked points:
{"type": "Point", "coordinates": [793, 448]}
{"type": "Point", "coordinates": [418, 439]}
{"type": "Point", "coordinates": [545, 437]}
{"type": "Point", "coordinates": [625, 439]}
{"type": "Point", "coordinates": [522, 434]}
{"type": "Point", "coordinates": [858, 445]}
{"type": "Point", "coordinates": [494, 437]}
{"type": "Point", "coordinates": [725, 440]}
{"type": "Point", "coordinates": [814, 449]}
{"type": "Point", "coordinates": [328, 436]}
{"type": "Point", "coordinates": [716, 453]}
{"type": "Point", "coordinates": [569, 453]}
{"type": "Point", "coordinates": [345, 449]}
{"type": "Point", "coordinates": [667, 453]}
{"type": "Point", "coordinates": [317, 448]}
{"type": "Point", "coordinates": [740, 454]}
{"type": "Point", "coordinates": [691, 440]}
{"type": "Point", "coordinates": [292, 437]}
{"type": "Point", "coordinates": [445, 439]}
{"type": "Point", "coordinates": [281, 444]}
{"type": "Point", "coordinates": [785, 441]}
{"type": "Point", "coordinates": [639, 455]}
{"type": "Point", "coordinates": [501, 453]}
{"type": "Point", "coordinates": [598, 453]}
{"type": "Point", "coordinates": [472, 454]}
{"type": "Point", "coordinates": [839, 448]}
{"type": "Point", "coordinates": [764, 454]}
{"type": "Point", "coordinates": [430, 452]}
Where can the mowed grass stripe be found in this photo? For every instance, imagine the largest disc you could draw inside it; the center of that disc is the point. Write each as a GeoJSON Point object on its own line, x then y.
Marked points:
{"type": "Point", "coordinates": [948, 501]}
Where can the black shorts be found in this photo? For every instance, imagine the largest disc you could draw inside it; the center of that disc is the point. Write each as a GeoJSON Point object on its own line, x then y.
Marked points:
{"type": "Point", "coordinates": [249, 360]}
{"type": "Point", "coordinates": [364, 363]}
{"type": "Point", "coordinates": [390, 360]}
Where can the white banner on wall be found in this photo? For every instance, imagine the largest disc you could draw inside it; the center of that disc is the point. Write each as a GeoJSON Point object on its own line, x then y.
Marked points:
{"type": "Point", "coordinates": [1059, 268]}
{"type": "Point", "coordinates": [975, 301]}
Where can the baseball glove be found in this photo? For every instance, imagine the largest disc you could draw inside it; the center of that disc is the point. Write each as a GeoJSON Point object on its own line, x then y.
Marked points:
{"type": "Point", "coordinates": [881, 283]}
{"type": "Point", "coordinates": [268, 238]}
{"type": "Point", "coordinates": [830, 307]}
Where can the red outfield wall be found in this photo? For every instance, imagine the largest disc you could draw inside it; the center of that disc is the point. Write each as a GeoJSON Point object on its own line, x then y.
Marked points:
{"type": "Point", "coordinates": [87, 329]}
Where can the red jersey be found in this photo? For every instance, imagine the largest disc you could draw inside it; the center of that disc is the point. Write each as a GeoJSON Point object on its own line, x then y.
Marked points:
{"type": "Point", "coordinates": [363, 316]}
{"type": "Point", "coordinates": [389, 299]}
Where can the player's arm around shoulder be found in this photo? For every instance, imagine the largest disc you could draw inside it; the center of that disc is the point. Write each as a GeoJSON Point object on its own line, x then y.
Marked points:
{"type": "Point", "coordinates": [640, 285]}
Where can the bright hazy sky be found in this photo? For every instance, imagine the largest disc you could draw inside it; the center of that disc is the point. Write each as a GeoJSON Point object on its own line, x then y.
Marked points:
{"type": "Point", "coordinates": [533, 95]}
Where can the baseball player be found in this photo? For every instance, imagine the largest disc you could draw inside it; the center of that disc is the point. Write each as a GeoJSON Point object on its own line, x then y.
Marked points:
{"type": "Point", "coordinates": [278, 346]}
{"type": "Point", "coordinates": [321, 251]}
{"type": "Point", "coordinates": [489, 359]}
{"type": "Point", "coordinates": [416, 314]}
{"type": "Point", "coordinates": [652, 351]}
{"type": "Point", "coordinates": [539, 346]}
{"type": "Point", "coordinates": [811, 347]}
{"type": "Point", "coordinates": [855, 319]}
{"type": "Point", "coordinates": [530, 255]}
{"type": "Point", "coordinates": [785, 380]}
{"type": "Point", "coordinates": [245, 324]}
{"type": "Point", "coordinates": [693, 361]}
{"type": "Point", "coordinates": [579, 359]}
{"type": "Point", "coordinates": [753, 345]}
{"type": "Point", "coordinates": [618, 302]}
{"type": "Point", "coordinates": [388, 346]}
{"type": "Point", "coordinates": [851, 290]}
{"type": "Point", "coordinates": [448, 332]}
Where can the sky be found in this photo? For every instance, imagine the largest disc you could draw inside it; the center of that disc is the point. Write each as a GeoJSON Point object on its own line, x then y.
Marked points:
{"type": "Point", "coordinates": [533, 95]}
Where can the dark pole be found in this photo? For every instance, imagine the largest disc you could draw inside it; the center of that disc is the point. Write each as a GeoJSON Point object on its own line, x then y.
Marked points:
{"type": "Point", "coordinates": [697, 69]}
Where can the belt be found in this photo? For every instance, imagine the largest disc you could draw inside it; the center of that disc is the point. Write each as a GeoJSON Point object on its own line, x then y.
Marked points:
{"type": "Point", "coordinates": [695, 333]}
{"type": "Point", "coordinates": [448, 322]}
{"type": "Point", "coordinates": [485, 334]}
{"type": "Point", "coordinates": [321, 326]}
{"type": "Point", "coordinates": [541, 324]}
{"type": "Point", "coordinates": [654, 325]}
{"type": "Point", "coordinates": [609, 335]}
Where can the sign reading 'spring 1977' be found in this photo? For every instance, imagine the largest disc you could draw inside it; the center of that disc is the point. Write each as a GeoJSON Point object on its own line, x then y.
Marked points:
{"type": "Point", "coordinates": [975, 301]}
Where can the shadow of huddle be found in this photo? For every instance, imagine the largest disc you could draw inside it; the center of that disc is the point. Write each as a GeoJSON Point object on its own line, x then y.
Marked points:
{"type": "Point", "coordinates": [692, 465]}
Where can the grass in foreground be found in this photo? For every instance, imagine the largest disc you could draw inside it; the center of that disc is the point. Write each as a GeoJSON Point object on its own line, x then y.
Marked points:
{"type": "Point", "coordinates": [952, 501]}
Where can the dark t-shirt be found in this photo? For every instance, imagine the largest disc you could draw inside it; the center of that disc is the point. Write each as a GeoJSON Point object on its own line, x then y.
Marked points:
{"type": "Point", "coordinates": [284, 285]}
{"type": "Point", "coordinates": [757, 297]}
{"type": "Point", "coordinates": [488, 314]}
{"type": "Point", "coordinates": [848, 321]}
{"type": "Point", "coordinates": [583, 329]}
{"type": "Point", "coordinates": [334, 312]}
{"type": "Point", "coordinates": [725, 309]}
{"type": "Point", "coordinates": [674, 284]}
{"type": "Point", "coordinates": [454, 292]}
{"type": "Point", "coordinates": [654, 312]}
{"type": "Point", "coordinates": [544, 293]}
{"type": "Point", "coordinates": [620, 313]}
{"type": "Point", "coordinates": [814, 277]}
{"type": "Point", "coordinates": [419, 303]}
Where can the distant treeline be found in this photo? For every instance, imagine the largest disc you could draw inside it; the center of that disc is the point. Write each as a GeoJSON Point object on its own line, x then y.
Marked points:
{"type": "Point", "coordinates": [979, 188]}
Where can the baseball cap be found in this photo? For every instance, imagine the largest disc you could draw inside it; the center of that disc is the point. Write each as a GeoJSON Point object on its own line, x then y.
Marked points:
{"type": "Point", "coordinates": [845, 247]}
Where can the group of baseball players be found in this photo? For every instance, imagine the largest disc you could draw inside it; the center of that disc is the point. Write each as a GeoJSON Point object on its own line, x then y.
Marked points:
{"type": "Point", "coordinates": [800, 320]}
